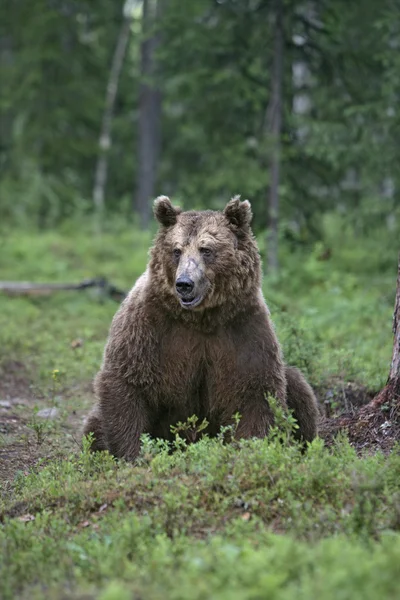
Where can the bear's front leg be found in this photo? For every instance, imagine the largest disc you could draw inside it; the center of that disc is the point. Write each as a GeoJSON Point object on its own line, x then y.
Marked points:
{"type": "Point", "coordinates": [246, 393]}
{"type": "Point", "coordinates": [122, 413]}
{"type": "Point", "coordinates": [94, 426]}
{"type": "Point", "coordinates": [256, 417]}
{"type": "Point", "coordinates": [251, 370]}
{"type": "Point", "coordinates": [256, 414]}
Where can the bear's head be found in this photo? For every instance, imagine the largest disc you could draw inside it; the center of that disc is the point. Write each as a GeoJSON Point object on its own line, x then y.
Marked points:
{"type": "Point", "coordinates": [205, 259]}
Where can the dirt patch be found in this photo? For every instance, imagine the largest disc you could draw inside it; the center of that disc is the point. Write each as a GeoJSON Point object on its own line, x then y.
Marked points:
{"type": "Point", "coordinates": [15, 381]}
{"type": "Point", "coordinates": [373, 427]}
{"type": "Point", "coordinates": [336, 397]}
{"type": "Point", "coordinates": [15, 392]}
{"type": "Point", "coordinates": [25, 436]}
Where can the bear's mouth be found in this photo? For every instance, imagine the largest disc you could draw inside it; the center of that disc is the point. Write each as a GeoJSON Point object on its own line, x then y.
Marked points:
{"type": "Point", "coordinates": [191, 302]}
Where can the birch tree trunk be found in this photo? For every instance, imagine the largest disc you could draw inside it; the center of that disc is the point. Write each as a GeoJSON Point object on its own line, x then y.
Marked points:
{"type": "Point", "coordinates": [274, 117]}
{"type": "Point", "coordinates": [105, 139]}
{"type": "Point", "coordinates": [391, 392]}
{"type": "Point", "coordinates": [394, 374]}
{"type": "Point", "coordinates": [149, 126]}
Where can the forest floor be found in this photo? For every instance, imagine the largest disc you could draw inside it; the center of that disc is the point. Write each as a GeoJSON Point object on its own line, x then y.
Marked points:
{"type": "Point", "coordinates": [242, 520]}
{"type": "Point", "coordinates": [31, 427]}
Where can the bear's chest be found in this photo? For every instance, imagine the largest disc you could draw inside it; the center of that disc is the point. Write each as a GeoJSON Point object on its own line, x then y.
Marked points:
{"type": "Point", "coordinates": [182, 354]}
{"type": "Point", "coordinates": [196, 368]}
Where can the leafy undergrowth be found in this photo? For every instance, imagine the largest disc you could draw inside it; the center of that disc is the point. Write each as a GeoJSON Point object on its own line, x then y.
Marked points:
{"type": "Point", "coordinates": [253, 519]}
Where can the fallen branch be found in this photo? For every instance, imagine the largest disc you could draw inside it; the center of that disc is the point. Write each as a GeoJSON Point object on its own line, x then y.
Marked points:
{"type": "Point", "coordinates": [26, 288]}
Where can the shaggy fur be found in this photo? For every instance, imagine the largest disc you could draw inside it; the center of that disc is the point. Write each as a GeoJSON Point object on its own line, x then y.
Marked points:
{"type": "Point", "coordinates": [194, 336]}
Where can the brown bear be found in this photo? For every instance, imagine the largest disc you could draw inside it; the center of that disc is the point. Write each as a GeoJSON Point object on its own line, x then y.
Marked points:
{"type": "Point", "coordinates": [194, 337]}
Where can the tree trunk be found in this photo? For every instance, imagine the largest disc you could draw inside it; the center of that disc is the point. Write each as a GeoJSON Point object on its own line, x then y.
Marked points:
{"type": "Point", "coordinates": [377, 424]}
{"type": "Point", "coordinates": [274, 117]}
{"type": "Point", "coordinates": [390, 395]}
{"type": "Point", "coordinates": [6, 114]}
{"type": "Point", "coordinates": [395, 366]}
{"type": "Point", "coordinates": [391, 392]}
{"type": "Point", "coordinates": [149, 127]}
{"type": "Point", "coordinates": [105, 140]}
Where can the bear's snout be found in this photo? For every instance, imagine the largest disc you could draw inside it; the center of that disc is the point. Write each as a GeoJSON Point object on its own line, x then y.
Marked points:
{"type": "Point", "coordinates": [191, 289]}
{"type": "Point", "coordinates": [184, 286]}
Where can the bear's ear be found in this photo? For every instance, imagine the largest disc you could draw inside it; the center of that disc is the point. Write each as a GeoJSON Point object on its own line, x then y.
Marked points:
{"type": "Point", "coordinates": [238, 213]}
{"type": "Point", "coordinates": [164, 212]}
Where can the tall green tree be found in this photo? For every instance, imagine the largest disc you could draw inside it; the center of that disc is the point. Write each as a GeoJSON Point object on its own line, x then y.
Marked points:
{"type": "Point", "coordinates": [52, 90]}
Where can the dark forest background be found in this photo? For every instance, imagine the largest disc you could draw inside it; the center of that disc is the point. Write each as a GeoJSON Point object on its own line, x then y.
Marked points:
{"type": "Point", "coordinates": [293, 104]}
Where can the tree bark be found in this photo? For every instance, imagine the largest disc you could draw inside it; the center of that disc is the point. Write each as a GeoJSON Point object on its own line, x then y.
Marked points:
{"type": "Point", "coordinates": [274, 119]}
{"type": "Point", "coordinates": [390, 394]}
{"type": "Point", "coordinates": [395, 366]}
{"type": "Point", "coordinates": [149, 126]}
{"type": "Point", "coordinates": [105, 139]}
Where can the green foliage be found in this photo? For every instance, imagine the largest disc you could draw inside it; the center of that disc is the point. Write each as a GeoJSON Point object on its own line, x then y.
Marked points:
{"type": "Point", "coordinates": [56, 60]}
{"type": "Point", "coordinates": [204, 519]}
{"type": "Point", "coordinates": [190, 429]}
{"type": "Point", "coordinates": [339, 152]}
{"type": "Point", "coordinates": [326, 308]}
{"type": "Point", "coordinates": [41, 427]}
{"type": "Point", "coordinates": [284, 422]}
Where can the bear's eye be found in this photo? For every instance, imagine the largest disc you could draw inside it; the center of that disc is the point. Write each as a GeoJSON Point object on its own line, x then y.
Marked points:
{"type": "Point", "coordinates": [206, 251]}
{"type": "Point", "coordinates": [177, 253]}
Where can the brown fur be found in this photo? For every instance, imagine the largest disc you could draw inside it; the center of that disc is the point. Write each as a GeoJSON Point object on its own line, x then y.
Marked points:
{"type": "Point", "coordinates": [165, 362]}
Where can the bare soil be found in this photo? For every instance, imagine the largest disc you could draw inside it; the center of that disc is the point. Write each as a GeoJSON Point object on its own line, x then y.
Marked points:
{"type": "Point", "coordinates": [374, 426]}
{"type": "Point", "coordinates": [22, 444]}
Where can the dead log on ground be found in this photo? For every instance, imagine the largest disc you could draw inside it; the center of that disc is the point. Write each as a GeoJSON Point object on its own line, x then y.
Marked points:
{"type": "Point", "coordinates": [26, 288]}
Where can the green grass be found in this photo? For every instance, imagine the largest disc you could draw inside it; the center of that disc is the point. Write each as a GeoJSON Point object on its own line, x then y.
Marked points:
{"type": "Point", "coordinates": [41, 329]}
{"type": "Point", "coordinates": [250, 520]}
{"type": "Point", "coordinates": [259, 519]}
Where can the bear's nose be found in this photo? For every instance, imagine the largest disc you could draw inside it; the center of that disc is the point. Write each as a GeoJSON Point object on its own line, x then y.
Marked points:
{"type": "Point", "coordinates": [184, 285]}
